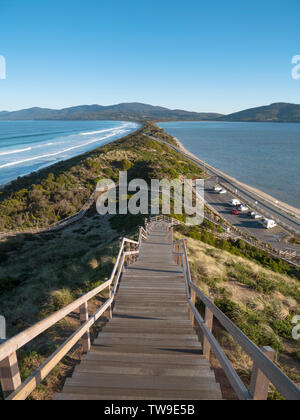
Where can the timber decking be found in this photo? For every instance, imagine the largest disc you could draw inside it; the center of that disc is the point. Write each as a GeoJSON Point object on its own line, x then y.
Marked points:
{"type": "Point", "coordinates": [148, 350]}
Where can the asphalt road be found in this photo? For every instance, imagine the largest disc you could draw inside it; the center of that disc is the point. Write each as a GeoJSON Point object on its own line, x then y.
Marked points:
{"type": "Point", "coordinates": [276, 237]}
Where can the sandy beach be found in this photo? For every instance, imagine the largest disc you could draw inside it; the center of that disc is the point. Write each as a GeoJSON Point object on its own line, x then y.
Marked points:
{"type": "Point", "coordinates": [268, 198]}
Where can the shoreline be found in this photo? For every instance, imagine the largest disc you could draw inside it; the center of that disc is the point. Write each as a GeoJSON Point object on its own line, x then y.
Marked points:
{"type": "Point", "coordinates": [60, 161]}
{"type": "Point", "coordinates": [264, 196]}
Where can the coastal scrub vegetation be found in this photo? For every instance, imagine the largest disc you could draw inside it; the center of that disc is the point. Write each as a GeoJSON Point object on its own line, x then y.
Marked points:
{"type": "Point", "coordinates": [55, 193]}
{"type": "Point", "coordinates": [205, 233]}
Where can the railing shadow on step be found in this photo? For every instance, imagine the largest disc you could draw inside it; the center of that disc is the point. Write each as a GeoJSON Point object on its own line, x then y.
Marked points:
{"type": "Point", "coordinates": [11, 385]}
{"type": "Point", "coordinates": [264, 370]}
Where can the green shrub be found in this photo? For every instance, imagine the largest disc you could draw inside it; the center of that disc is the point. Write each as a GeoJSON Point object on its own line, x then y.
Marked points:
{"type": "Point", "coordinates": [58, 299]}
{"type": "Point", "coordinates": [125, 165]}
{"type": "Point", "coordinates": [7, 284]}
{"type": "Point", "coordinates": [251, 323]}
{"type": "Point", "coordinates": [283, 327]}
{"type": "Point", "coordinates": [296, 355]}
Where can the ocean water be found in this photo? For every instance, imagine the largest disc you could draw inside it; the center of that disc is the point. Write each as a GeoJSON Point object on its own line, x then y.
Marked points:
{"type": "Point", "coordinates": [27, 146]}
{"type": "Point", "coordinates": [263, 155]}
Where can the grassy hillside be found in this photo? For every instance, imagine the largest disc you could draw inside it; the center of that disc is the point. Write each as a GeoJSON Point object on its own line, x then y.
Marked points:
{"type": "Point", "coordinates": [279, 112]}
{"type": "Point", "coordinates": [259, 297]}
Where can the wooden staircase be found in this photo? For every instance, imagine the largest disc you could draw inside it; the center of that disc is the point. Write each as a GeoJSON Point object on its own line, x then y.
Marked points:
{"type": "Point", "coordinates": [148, 350]}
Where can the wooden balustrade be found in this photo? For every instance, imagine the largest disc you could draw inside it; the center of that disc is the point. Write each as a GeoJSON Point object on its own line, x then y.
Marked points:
{"type": "Point", "coordinates": [264, 369]}
{"type": "Point", "coordinates": [10, 379]}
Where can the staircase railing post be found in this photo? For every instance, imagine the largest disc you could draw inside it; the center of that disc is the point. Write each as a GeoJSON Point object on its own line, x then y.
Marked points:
{"type": "Point", "coordinates": [259, 387]}
{"type": "Point", "coordinates": [193, 301]}
{"type": "Point", "coordinates": [209, 319]}
{"type": "Point", "coordinates": [110, 295]}
{"type": "Point", "coordinates": [130, 256]}
{"type": "Point", "coordinates": [84, 316]}
{"type": "Point", "coordinates": [9, 374]}
{"type": "Point", "coordinates": [127, 260]}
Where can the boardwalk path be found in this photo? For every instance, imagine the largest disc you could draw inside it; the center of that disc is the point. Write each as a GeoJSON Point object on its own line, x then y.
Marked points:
{"type": "Point", "coordinates": [148, 350]}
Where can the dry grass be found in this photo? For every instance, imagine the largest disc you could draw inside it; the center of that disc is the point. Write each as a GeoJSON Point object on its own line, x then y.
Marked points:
{"type": "Point", "coordinates": [48, 273]}
{"type": "Point", "coordinates": [217, 264]}
{"type": "Point", "coordinates": [217, 273]}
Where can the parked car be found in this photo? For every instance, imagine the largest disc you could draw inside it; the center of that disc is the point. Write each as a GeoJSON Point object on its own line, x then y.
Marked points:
{"type": "Point", "coordinates": [269, 223]}
{"type": "Point", "coordinates": [217, 188]}
{"type": "Point", "coordinates": [256, 216]}
{"type": "Point", "coordinates": [222, 191]}
{"type": "Point", "coordinates": [243, 208]}
{"type": "Point", "coordinates": [235, 211]}
{"type": "Point", "coordinates": [235, 202]}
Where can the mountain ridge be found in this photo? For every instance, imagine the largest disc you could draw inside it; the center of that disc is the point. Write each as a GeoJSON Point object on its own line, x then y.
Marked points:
{"type": "Point", "coordinates": [135, 111]}
{"type": "Point", "coordinates": [125, 111]}
{"type": "Point", "coordinates": [276, 112]}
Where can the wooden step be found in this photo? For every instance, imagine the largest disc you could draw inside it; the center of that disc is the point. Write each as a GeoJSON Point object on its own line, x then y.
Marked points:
{"type": "Point", "coordinates": [99, 380]}
{"type": "Point", "coordinates": [160, 342]}
{"type": "Point", "coordinates": [166, 360]}
{"type": "Point", "coordinates": [142, 369]}
{"type": "Point", "coordinates": [153, 336]}
{"type": "Point", "coordinates": [92, 394]}
{"type": "Point", "coordinates": [144, 300]}
{"type": "Point", "coordinates": [146, 330]}
{"type": "Point", "coordinates": [146, 323]}
{"type": "Point", "coordinates": [164, 351]}
{"type": "Point", "coordinates": [151, 309]}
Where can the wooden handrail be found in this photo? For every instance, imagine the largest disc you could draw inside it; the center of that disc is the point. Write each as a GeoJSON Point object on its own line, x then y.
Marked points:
{"type": "Point", "coordinates": [18, 341]}
{"type": "Point", "coordinates": [231, 374]}
{"type": "Point", "coordinates": [9, 347]}
{"type": "Point", "coordinates": [30, 384]}
{"type": "Point", "coordinates": [261, 361]}
{"type": "Point", "coordinates": [284, 385]}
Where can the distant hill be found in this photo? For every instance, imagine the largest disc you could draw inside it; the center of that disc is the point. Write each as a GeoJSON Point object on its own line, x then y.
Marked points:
{"type": "Point", "coordinates": [278, 112]}
{"type": "Point", "coordinates": [126, 111]}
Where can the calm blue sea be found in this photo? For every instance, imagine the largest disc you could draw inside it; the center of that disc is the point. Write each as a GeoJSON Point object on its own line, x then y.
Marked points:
{"type": "Point", "coordinates": [27, 146]}
{"type": "Point", "coordinates": [263, 155]}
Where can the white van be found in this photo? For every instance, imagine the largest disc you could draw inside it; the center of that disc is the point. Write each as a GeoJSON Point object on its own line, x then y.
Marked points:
{"type": "Point", "coordinates": [243, 208]}
{"type": "Point", "coordinates": [235, 202]}
{"type": "Point", "coordinates": [269, 223]}
{"type": "Point", "coordinates": [256, 216]}
{"type": "Point", "coordinates": [217, 188]}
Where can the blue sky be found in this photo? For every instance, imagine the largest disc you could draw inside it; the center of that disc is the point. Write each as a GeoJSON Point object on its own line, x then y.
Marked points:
{"type": "Point", "coordinates": [220, 56]}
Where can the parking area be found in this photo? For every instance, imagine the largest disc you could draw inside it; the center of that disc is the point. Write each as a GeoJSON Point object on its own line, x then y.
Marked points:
{"type": "Point", "coordinates": [276, 237]}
